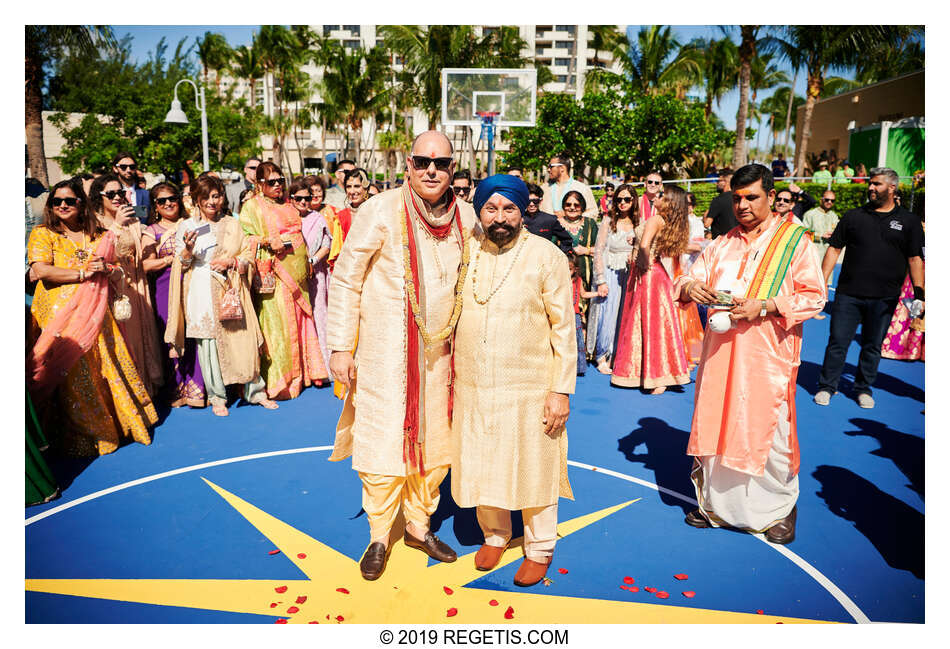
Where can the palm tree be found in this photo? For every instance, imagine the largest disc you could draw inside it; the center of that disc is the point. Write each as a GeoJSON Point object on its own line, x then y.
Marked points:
{"type": "Point", "coordinates": [777, 109]}
{"type": "Point", "coordinates": [901, 54]}
{"type": "Point", "coordinates": [748, 47]}
{"type": "Point", "coordinates": [43, 44]}
{"type": "Point", "coordinates": [214, 54]}
{"type": "Point", "coordinates": [763, 75]}
{"type": "Point", "coordinates": [604, 37]}
{"type": "Point", "coordinates": [719, 62]}
{"type": "Point", "coordinates": [246, 64]}
{"type": "Point", "coordinates": [821, 48]}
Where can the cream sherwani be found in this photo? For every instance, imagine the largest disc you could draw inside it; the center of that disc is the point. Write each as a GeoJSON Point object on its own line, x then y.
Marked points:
{"type": "Point", "coordinates": [510, 353]}
{"type": "Point", "coordinates": [367, 299]}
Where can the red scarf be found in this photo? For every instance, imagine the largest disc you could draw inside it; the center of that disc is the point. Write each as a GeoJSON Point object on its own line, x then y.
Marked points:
{"type": "Point", "coordinates": [646, 208]}
{"type": "Point", "coordinates": [412, 447]}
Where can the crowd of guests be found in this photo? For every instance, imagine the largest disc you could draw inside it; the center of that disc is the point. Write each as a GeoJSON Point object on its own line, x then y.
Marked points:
{"type": "Point", "coordinates": [170, 295]}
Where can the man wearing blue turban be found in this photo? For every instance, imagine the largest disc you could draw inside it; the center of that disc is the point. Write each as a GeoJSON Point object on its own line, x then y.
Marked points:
{"type": "Point", "coordinates": [515, 367]}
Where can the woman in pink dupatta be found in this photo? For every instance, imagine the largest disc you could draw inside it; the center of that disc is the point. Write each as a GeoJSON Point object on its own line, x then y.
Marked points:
{"type": "Point", "coordinates": [80, 369]}
{"type": "Point", "coordinates": [316, 232]}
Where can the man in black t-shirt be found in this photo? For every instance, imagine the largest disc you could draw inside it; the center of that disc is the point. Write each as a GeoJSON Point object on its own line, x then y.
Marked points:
{"type": "Point", "coordinates": [720, 217]}
{"type": "Point", "coordinates": [883, 240]}
{"type": "Point", "coordinates": [779, 167]}
{"type": "Point", "coordinates": [544, 224]}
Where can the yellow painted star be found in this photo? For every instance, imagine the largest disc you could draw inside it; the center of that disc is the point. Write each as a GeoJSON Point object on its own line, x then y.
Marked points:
{"type": "Point", "coordinates": [409, 591]}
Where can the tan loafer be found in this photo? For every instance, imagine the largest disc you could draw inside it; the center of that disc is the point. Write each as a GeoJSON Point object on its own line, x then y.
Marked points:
{"type": "Point", "coordinates": [488, 556]}
{"type": "Point", "coordinates": [530, 572]}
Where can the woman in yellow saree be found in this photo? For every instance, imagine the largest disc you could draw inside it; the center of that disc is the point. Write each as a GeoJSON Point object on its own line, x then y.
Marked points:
{"type": "Point", "coordinates": [291, 359]}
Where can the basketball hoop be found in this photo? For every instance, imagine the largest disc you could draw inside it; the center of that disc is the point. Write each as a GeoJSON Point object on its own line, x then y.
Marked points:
{"type": "Point", "coordinates": [488, 116]}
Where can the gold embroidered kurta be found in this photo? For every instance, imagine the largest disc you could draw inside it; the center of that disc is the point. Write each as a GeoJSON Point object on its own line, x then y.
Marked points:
{"type": "Point", "coordinates": [367, 298]}
{"type": "Point", "coordinates": [509, 354]}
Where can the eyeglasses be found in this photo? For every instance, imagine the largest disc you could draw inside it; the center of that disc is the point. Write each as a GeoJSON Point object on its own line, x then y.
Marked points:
{"type": "Point", "coordinates": [166, 199]}
{"type": "Point", "coordinates": [69, 201]}
{"type": "Point", "coordinates": [133, 167]}
{"type": "Point", "coordinates": [625, 199]}
{"type": "Point", "coordinates": [572, 206]}
{"type": "Point", "coordinates": [274, 182]}
{"type": "Point", "coordinates": [784, 200]}
{"type": "Point", "coordinates": [421, 163]}
{"type": "Point", "coordinates": [301, 198]}
{"type": "Point", "coordinates": [654, 182]}
{"type": "Point", "coordinates": [250, 168]}
{"type": "Point", "coordinates": [827, 200]}
{"type": "Point", "coordinates": [461, 191]}
{"type": "Point", "coordinates": [555, 164]}
{"type": "Point", "coordinates": [111, 195]}
{"type": "Point", "coordinates": [534, 201]}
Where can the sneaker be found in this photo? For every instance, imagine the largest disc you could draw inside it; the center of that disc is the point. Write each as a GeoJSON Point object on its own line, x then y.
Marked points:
{"type": "Point", "coordinates": [823, 398]}
{"type": "Point", "coordinates": [865, 400]}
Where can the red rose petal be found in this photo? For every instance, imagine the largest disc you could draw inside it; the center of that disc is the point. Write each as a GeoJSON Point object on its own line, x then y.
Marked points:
{"type": "Point", "coordinates": [293, 609]}
{"type": "Point", "coordinates": [493, 602]}
{"type": "Point", "coordinates": [634, 589]}
{"type": "Point", "coordinates": [273, 604]}
{"type": "Point", "coordinates": [280, 589]}
{"type": "Point", "coordinates": [280, 620]}
{"type": "Point", "coordinates": [510, 613]}
{"type": "Point", "coordinates": [688, 593]}
{"type": "Point", "coordinates": [649, 589]}
{"type": "Point", "coordinates": [314, 622]}
{"type": "Point", "coordinates": [301, 599]}
{"type": "Point", "coordinates": [622, 587]}
{"type": "Point", "coordinates": [628, 580]}
{"type": "Point", "coordinates": [681, 576]}
{"type": "Point", "coordinates": [448, 591]}
{"type": "Point", "coordinates": [328, 617]}
{"type": "Point", "coordinates": [563, 571]}
{"type": "Point", "coordinates": [343, 590]}
{"type": "Point", "coordinates": [301, 556]}
{"type": "Point", "coordinates": [780, 623]}
{"type": "Point", "coordinates": [274, 552]}
{"type": "Point", "coordinates": [339, 618]}
{"type": "Point", "coordinates": [760, 612]}
{"type": "Point", "coordinates": [662, 594]}
{"type": "Point", "coordinates": [452, 612]}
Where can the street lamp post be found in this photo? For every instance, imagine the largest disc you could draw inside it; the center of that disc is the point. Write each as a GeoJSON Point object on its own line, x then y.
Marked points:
{"type": "Point", "coordinates": [177, 116]}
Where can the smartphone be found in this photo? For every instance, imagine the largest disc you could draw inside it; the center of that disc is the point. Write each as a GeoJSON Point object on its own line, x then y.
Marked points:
{"type": "Point", "coordinates": [203, 229]}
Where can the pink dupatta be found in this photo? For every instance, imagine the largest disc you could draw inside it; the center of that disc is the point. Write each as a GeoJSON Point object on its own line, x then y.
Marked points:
{"type": "Point", "coordinates": [72, 331]}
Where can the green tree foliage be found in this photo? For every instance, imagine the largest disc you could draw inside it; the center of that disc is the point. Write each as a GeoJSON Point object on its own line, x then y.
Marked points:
{"type": "Point", "coordinates": [607, 129]}
{"type": "Point", "coordinates": [125, 106]}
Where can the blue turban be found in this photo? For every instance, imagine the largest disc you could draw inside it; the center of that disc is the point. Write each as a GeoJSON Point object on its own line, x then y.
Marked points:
{"type": "Point", "coordinates": [511, 187]}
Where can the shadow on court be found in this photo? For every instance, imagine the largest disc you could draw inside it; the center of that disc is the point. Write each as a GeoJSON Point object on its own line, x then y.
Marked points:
{"type": "Point", "coordinates": [904, 450]}
{"type": "Point", "coordinates": [894, 528]}
{"type": "Point", "coordinates": [808, 380]}
{"type": "Point", "coordinates": [663, 452]}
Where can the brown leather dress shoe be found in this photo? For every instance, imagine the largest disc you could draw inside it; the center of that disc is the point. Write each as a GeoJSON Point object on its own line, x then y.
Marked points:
{"type": "Point", "coordinates": [374, 561]}
{"type": "Point", "coordinates": [783, 532]}
{"type": "Point", "coordinates": [530, 572]}
{"type": "Point", "coordinates": [696, 519]}
{"type": "Point", "coordinates": [488, 556]}
{"type": "Point", "coordinates": [432, 546]}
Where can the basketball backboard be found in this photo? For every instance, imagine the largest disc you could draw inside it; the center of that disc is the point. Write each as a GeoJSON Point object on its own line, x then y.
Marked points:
{"type": "Point", "coordinates": [510, 92]}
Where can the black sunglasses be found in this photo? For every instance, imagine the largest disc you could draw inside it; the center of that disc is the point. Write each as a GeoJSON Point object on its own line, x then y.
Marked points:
{"type": "Point", "coordinates": [625, 199]}
{"type": "Point", "coordinates": [70, 201]}
{"type": "Point", "coordinates": [828, 200]}
{"type": "Point", "coordinates": [111, 195]}
{"type": "Point", "coordinates": [460, 190]}
{"type": "Point", "coordinates": [421, 163]}
{"type": "Point", "coordinates": [654, 182]}
{"type": "Point", "coordinates": [534, 201]}
{"type": "Point", "coordinates": [166, 199]}
{"type": "Point", "coordinates": [784, 200]}
{"type": "Point", "coordinates": [273, 182]}
{"type": "Point", "coordinates": [133, 167]}
{"type": "Point", "coordinates": [572, 205]}
{"type": "Point", "coordinates": [301, 198]}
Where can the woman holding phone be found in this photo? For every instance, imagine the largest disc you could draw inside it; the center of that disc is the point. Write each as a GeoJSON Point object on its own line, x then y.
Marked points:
{"type": "Point", "coordinates": [213, 258]}
{"type": "Point", "coordinates": [292, 358]}
{"type": "Point", "coordinates": [130, 298]}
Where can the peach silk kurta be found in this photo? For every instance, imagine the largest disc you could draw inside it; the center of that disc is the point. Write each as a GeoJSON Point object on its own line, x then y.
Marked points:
{"type": "Point", "coordinates": [367, 297]}
{"type": "Point", "coordinates": [509, 354]}
{"type": "Point", "coordinates": [747, 372]}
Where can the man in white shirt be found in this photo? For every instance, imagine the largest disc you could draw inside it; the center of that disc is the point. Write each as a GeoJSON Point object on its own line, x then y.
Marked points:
{"type": "Point", "coordinates": [559, 183]}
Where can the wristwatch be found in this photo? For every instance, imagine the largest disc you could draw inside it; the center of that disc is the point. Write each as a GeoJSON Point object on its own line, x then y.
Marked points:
{"type": "Point", "coordinates": [765, 310]}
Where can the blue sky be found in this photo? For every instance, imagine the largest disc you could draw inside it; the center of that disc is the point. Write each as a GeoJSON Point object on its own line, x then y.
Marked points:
{"type": "Point", "coordinates": [145, 38]}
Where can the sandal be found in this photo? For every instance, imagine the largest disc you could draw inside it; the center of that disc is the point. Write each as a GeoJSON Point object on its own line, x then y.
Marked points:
{"type": "Point", "coordinates": [220, 410]}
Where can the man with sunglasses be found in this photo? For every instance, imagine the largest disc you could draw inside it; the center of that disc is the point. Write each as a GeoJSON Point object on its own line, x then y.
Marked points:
{"type": "Point", "coordinates": [336, 195]}
{"type": "Point", "coordinates": [822, 220]}
{"type": "Point", "coordinates": [543, 224]}
{"type": "Point", "coordinates": [462, 184]}
{"type": "Point", "coordinates": [234, 190]}
{"type": "Point", "coordinates": [394, 289]}
{"type": "Point", "coordinates": [125, 167]}
{"type": "Point", "coordinates": [559, 183]}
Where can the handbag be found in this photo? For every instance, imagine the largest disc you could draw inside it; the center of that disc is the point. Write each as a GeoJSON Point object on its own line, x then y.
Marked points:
{"type": "Point", "coordinates": [121, 307]}
{"type": "Point", "coordinates": [229, 308]}
{"type": "Point", "coordinates": [264, 281]}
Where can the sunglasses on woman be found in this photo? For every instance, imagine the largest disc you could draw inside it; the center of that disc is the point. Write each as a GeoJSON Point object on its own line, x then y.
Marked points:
{"type": "Point", "coordinates": [166, 199]}
{"type": "Point", "coordinates": [301, 198]}
{"type": "Point", "coordinates": [421, 163]}
{"type": "Point", "coordinates": [111, 195]}
{"type": "Point", "coordinates": [274, 182]}
{"type": "Point", "coordinates": [69, 201]}
{"type": "Point", "coordinates": [625, 199]}
{"type": "Point", "coordinates": [572, 206]}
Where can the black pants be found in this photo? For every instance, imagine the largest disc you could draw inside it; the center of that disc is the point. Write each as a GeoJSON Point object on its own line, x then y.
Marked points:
{"type": "Point", "coordinates": [847, 312]}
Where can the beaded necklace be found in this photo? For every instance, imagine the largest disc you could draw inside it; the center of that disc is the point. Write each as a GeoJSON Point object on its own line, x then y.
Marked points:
{"type": "Point", "coordinates": [484, 301]}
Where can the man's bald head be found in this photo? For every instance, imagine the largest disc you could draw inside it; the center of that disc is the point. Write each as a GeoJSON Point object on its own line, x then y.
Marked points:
{"type": "Point", "coordinates": [425, 142]}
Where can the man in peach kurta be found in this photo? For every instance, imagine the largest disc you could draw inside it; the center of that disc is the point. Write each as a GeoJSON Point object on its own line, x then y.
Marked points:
{"type": "Point", "coordinates": [395, 420]}
{"type": "Point", "coordinates": [743, 434]}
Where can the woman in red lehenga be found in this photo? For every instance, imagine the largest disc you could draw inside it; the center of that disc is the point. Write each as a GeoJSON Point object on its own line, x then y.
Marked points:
{"type": "Point", "coordinates": [650, 351]}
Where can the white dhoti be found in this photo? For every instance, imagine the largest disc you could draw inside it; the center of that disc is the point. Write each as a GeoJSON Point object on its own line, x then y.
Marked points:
{"type": "Point", "coordinates": [540, 529]}
{"type": "Point", "coordinates": [754, 503]}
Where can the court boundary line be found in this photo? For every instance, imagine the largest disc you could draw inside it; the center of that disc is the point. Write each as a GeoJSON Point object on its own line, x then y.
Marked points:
{"type": "Point", "coordinates": [840, 596]}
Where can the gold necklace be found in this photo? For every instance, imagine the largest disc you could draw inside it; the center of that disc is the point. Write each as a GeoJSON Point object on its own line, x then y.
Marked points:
{"type": "Point", "coordinates": [507, 273]}
{"type": "Point", "coordinates": [427, 338]}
